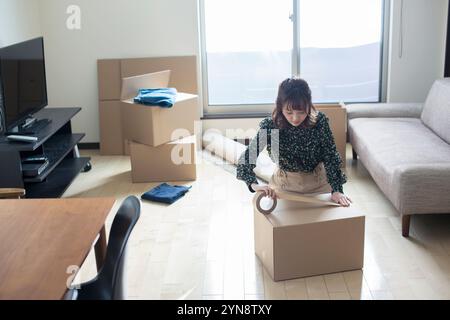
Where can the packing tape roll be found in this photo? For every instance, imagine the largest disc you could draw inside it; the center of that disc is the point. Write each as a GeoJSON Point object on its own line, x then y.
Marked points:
{"type": "Point", "coordinates": [289, 196]}
{"type": "Point", "coordinates": [258, 204]}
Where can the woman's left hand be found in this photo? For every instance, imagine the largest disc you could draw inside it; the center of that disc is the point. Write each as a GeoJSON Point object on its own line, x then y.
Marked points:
{"type": "Point", "coordinates": [341, 199]}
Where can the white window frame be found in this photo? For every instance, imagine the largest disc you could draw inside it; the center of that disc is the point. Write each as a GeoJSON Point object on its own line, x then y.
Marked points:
{"type": "Point", "coordinates": [258, 110]}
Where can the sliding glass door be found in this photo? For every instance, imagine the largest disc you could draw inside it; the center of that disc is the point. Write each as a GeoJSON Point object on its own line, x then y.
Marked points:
{"type": "Point", "coordinates": [340, 49]}
{"type": "Point", "coordinates": [248, 49]}
{"type": "Point", "coordinates": [250, 46]}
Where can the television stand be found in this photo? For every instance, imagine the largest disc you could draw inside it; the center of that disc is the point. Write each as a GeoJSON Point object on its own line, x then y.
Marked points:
{"type": "Point", "coordinates": [56, 142]}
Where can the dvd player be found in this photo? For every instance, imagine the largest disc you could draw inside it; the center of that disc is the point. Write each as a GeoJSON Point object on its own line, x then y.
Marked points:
{"type": "Point", "coordinates": [33, 169]}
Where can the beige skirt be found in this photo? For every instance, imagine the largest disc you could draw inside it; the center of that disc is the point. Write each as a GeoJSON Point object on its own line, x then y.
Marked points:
{"type": "Point", "coordinates": [301, 182]}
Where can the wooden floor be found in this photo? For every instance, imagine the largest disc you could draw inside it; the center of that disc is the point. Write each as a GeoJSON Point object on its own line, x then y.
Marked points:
{"type": "Point", "coordinates": [201, 247]}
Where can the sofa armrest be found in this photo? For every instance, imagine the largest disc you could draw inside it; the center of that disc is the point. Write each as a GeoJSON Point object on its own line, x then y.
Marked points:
{"type": "Point", "coordinates": [422, 188]}
{"type": "Point", "coordinates": [384, 110]}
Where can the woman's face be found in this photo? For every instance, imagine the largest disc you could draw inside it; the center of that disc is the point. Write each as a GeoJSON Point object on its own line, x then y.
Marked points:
{"type": "Point", "coordinates": [294, 117]}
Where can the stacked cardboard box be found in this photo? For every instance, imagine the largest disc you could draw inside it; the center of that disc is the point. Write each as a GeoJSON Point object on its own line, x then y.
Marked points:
{"type": "Point", "coordinates": [183, 76]}
{"type": "Point", "coordinates": [153, 133]}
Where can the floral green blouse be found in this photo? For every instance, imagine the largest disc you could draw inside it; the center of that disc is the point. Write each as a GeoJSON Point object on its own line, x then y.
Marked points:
{"type": "Point", "coordinates": [299, 149]}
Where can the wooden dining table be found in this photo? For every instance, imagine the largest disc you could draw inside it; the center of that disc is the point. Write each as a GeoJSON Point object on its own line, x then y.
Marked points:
{"type": "Point", "coordinates": [43, 241]}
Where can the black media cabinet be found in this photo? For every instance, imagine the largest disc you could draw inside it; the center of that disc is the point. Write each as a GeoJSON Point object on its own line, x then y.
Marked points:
{"type": "Point", "coordinates": [57, 142]}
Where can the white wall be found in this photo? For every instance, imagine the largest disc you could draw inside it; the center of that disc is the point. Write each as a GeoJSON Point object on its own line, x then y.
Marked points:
{"type": "Point", "coordinates": [422, 52]}
{"type": "Point", "coordinates": [109, 29]}
{"type": "Point", "coordinates": [19, 21]}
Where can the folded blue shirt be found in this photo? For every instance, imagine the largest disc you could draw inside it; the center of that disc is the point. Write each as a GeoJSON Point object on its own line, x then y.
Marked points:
{"type": "Point", "coordinates": [166, 193]}
{"type": "Point", "coordinates": [163, 97]}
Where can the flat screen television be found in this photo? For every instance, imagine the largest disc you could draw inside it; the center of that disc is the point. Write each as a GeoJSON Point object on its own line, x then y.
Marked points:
{"type": "Point", "coordinates": [23, 83]}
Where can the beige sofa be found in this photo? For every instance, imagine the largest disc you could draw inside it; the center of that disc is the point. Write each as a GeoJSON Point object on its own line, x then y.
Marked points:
{"type": "Point", "coordinates": [406, 149]}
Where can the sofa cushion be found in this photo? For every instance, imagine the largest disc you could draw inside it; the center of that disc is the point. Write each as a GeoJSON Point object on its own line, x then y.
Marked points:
{"type": "Point", "coordinates": [387, 144]}
{"type": "Point", "coordinates": [384, 110]}
{"type": "Point", "coordinates": [436, 111]}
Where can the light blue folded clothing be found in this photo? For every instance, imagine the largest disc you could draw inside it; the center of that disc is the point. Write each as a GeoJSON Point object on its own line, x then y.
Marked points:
{"type": "Point", "coordinates": [162, 97]}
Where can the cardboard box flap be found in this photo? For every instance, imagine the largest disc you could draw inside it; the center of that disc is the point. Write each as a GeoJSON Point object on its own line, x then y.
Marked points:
{"type": "Point", "coordinates": [291, 213]}
{"type": "Point", "coordinates": [185, 140]}
{"type": "Point", "coordinates": [181, 96]}
{"type": "Point", "coordinates": [131, 85]}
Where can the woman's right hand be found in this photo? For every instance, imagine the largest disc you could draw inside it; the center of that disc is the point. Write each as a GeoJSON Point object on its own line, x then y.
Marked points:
{"type": "Point", "coordinates": [268, 191]}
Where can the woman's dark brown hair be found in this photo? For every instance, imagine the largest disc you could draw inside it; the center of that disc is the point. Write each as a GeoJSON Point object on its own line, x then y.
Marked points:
{"type": "Point", "coordinates": [295, 94]}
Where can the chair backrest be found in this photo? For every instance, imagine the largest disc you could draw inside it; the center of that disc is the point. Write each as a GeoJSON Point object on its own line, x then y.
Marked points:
{"type": "Point", "coordinates": [111, 276]}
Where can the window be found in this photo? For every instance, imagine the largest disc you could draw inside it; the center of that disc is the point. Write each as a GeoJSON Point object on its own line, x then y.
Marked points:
{"type": "Point", "coordinates": [250, 46]}
{"type": "Point", "coordinates": [340, 52]}
{"type": "Point", "coordinates": [248, 54]}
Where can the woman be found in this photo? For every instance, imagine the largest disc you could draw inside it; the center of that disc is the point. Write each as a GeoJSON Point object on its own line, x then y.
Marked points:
{"type": "Point", "coordinates": [299, 140]}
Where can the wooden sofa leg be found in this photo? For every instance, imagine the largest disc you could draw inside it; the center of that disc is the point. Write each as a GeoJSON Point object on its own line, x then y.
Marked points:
{"type": "Point", "coordinates": [406, 219]}
{"type": "Point", "coordinates": [355, 155]}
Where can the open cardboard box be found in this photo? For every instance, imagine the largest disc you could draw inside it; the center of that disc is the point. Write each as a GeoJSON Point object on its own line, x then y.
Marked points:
{"type": "Point", "coordinates": [153, 125]}
{"type": "Point", "coordinates": [306, 239]}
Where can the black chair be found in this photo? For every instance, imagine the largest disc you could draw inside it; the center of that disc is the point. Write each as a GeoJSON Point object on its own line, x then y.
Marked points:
{"type": "Point", "coordinates": [109, 283]}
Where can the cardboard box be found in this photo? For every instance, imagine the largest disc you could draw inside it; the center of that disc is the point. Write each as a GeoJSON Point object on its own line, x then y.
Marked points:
{"type": "Point", "coordinates": [183, 76]}
{"type": "Point", "coordinates": [111, 135]}
{"type": "Point", "coordinates": [337, 115]}
{"type": "Point", "coordinates": [304, 239]}
{"type": "Point", "coordinates": [126, 147]}
{"type": "Point", "coordinates": [109, 79]}
{"type": "Point", "coordinates": [173, 161]}
{"type": "Point", "coordinates": [155, 126]}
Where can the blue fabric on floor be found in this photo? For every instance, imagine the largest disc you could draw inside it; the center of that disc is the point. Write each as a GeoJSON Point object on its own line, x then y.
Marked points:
{"type": "Point", "coordinates": [166, 193]}
{"type": "Point", "coordinates": [162, 97]}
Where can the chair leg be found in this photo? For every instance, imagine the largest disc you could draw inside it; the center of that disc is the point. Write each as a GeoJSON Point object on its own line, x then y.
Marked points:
{"type": "Point", "coordinates": [406, 219]}
{"type": "Point", "coordinates": [355, 155]}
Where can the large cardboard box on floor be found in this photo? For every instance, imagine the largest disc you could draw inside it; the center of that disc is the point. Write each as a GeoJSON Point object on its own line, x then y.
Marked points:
{"type": "Point", "coordinates": [173, 161]}
{"type": "Point", "coordinates": [306, 239]}
{"type": "Point", "coordinates": [111, 136]}
{"type": "Point", "coordinates": [153, 125]}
